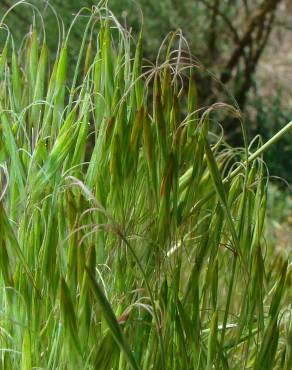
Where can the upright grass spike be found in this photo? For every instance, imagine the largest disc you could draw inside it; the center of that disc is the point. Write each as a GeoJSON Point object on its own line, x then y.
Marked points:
{"type": "Point", "coordinates": [59, 90]}
{"type": "Point", "coordinates": [137, 71]}
{"type": "Point", "coordinates": [16, 82]}
{"type": "Point", "coordinates": [39, 86]}
{"type": "Point", "coordinates": [33, 60]}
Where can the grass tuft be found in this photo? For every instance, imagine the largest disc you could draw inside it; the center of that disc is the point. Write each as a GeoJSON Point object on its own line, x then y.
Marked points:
{"type": "Point", "coordinates": [131, 234]}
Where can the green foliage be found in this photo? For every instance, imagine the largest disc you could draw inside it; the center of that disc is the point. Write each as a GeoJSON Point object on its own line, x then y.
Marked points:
{"type": "Point", "coordinates": [270, 120]}
{"type": "Point", "coordinates": [130, 234]}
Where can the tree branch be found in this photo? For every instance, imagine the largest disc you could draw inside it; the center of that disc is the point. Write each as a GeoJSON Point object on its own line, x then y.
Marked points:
{"type": "Point", "coordinates": [258, 17]}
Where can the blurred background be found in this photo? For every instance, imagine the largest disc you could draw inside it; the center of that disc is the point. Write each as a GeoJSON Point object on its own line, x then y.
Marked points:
{"type": "Point", "coordinates": [245, 44]}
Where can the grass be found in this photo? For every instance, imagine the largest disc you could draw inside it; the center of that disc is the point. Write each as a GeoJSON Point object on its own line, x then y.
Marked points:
{"type": "Point", "coordinates": [131, 236]}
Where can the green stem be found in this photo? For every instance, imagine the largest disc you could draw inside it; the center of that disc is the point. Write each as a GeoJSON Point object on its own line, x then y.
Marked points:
{"type": "Point", "coordinates": [251, 158]}
{"type": "Point", "coordinates": [228, 303]}
{"type": "Point", "coordinates": [155, 314]}
{"type": "Point", "coordinates": [72, 90]}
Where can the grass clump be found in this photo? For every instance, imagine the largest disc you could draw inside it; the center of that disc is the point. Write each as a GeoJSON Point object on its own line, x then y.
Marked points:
{"type": "Point", "coordinates": [130, 237]}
